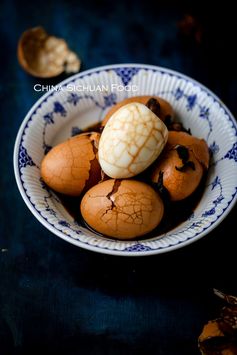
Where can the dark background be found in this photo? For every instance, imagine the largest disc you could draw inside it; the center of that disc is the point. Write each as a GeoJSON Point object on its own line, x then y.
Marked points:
{"type": "Point", "coordinates": [57, 298]}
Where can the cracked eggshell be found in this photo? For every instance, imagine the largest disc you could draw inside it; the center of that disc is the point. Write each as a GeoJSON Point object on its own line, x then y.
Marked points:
{"type": "Point", "coordinates": [122, 209]}
{"type": "Point", "coordinates": [179, 184]}
{"type": "Point", "coordinates": [131, 141]}
{"type": "Point", "coordinates": [45, 56]}
{"type": "Point", "coordinates": [72, 166]}
{"type": "Point", "coordinates": [166, 110]}
{"type": "Point", "coordinates": [198, 146]}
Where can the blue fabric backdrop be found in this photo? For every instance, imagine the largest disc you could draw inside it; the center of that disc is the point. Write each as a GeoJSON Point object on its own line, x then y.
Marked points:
{"type": "Point", "coordinates": [56, 298]}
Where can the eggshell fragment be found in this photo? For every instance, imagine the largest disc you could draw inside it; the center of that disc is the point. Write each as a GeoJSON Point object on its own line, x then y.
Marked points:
{"type": "Point", "coordinates": [166, 110]}
{"type": "Point", "coordinates": [45, 56]}
{"type": "Point", "coordinates": [181, 184]}
{"type": "Point", "coordinates": [131, 141]}
{"type": "Point", "coordinates": [72, 166]}
{"type": "Point", "coordinates": [122, 209]}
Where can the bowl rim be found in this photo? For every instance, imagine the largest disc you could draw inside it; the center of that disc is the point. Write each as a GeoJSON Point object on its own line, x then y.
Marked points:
{"type": "Point", "coordinates": [83, 244]}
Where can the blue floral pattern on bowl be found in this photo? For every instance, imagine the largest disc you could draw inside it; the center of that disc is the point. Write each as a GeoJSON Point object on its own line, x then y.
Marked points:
{"type": "Point", "coordinates": [59, 115]}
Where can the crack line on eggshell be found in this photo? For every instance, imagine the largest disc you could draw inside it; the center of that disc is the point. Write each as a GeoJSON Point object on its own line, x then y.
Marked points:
{"type": "Point", "coordinates": [115, 188]}
{"type": "Point", "coordinates": [120, 210]}
{"type": "Point", "coordinates": [95, 151]}
{"type": "Point", "coordinates": [190, 148]}
{"type": "Point", "coordinates": [72, 155]}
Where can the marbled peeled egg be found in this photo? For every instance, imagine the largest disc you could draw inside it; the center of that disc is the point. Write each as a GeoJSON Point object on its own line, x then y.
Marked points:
{"type": "Point", "coordinates": [122, 209]}
{"type": "Point", "coordinates": [72, 166]}
{"type": "Point", "coordinates": [131, 140]}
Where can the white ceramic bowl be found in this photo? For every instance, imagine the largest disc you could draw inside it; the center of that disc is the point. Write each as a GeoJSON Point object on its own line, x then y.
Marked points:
{"type": "Point", "coordinates": [59, 114]}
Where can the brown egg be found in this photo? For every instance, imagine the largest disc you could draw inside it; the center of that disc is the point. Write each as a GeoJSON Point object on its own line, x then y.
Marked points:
{"type": "Point", "coordinates": [179, 178]}
{"type": "Point", "coordinates": [122, 209]}
{"type": "Point", "coordinates": [72, 166]}
{"type": "Point", "coordinates": [180, 184]}
{"type": "Point", "coordinates": [198, 146]}
{"type": "Point", "coordinates": [165, 108]}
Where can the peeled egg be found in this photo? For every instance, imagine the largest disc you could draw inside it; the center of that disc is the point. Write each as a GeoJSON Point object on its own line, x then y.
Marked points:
{"type": "Point", "coordinates": [166, 110]}
{"type": "Point", "coordinates": [181, 182]}
{"type": "Point", "coordinates": [72, 166]}
{"type": "Point", "coordinates": [132, 140]}
{"type": "Point", "coordinates": [122, 209]}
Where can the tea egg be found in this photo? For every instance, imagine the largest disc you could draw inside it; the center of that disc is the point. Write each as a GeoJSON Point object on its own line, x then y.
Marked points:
{"type": "Point", "coordinates": [72, 166]}
{"type": "Point", "coordinates": [166, 110]}
{"type": "Point", "coordinates": [132, 140]}
{"type": "Point", "coordinates": [122, 209]}
{"type": "Point", "coordinates": [198, 146]}
{"type": "Point", "coordinates": [181, 181]}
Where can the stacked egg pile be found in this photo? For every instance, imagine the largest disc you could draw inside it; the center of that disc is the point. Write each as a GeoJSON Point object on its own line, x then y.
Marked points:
{"type": "Point", "coordinates": [114, 172]}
